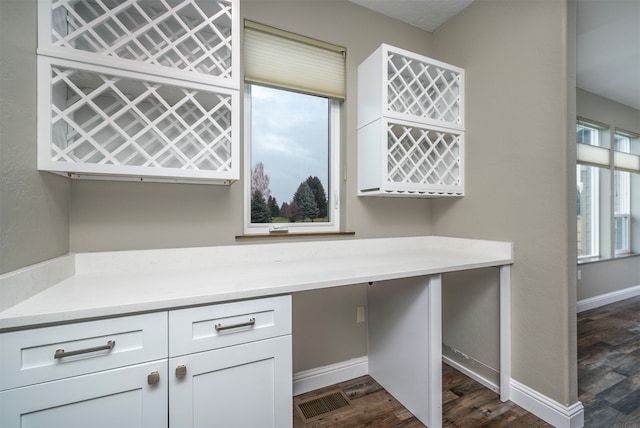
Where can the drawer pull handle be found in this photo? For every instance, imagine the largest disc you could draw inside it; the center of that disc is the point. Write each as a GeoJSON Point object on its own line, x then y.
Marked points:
{"type": "Point", "coordinates": [250, 323]}
{"type": "Point", "coordinates": [61, 353]}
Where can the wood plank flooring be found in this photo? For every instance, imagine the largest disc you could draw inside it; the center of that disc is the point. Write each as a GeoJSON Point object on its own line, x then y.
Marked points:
{"type": "Point", "coordinates": [466, 403]}
{"type": "Point", "coordinates": [609, 364]}
{"type": "Point", "coordinates": [608, 385]}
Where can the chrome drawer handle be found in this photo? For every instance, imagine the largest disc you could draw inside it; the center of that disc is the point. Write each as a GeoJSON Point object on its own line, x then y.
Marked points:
{"type": "Point", "coordinates": [61, 353]}
{"type": "Point", "coordinates": [250, 323]}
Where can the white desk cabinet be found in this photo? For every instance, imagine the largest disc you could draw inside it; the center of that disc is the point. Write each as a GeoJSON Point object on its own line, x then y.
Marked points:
{"type": "Point", "coordinates": [230, 365]}
{"type": "Point", "coordinates": [114, 398]}
{"type": "Point", "coordinates": [246, 385]}
{"type": "Point", "coordinates": [100, 374]}
{"type": "Point", "coordinates": [225, 365]}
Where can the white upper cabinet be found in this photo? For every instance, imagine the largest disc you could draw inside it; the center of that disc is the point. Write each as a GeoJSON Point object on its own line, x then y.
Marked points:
{"type": "Point", "coordinates": [410, 125]}
{"type": "Point", "coordinates": [142, 90]}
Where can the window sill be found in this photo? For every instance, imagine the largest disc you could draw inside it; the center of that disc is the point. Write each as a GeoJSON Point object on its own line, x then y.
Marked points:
{"type": "Point", "coordinates": [606, 259]}
{"type": "Point", "coordinates": [294, 235]}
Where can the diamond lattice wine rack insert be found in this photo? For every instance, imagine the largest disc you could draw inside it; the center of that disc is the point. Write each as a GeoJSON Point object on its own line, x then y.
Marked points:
{"type": "Point", "coordinates": [410, 126]}
{"type": "Point", "coordinates": [139, 89]}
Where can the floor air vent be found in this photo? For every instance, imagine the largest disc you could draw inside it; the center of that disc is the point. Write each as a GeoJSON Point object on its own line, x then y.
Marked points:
{"type": "Point", "coordinates": [323, 405]}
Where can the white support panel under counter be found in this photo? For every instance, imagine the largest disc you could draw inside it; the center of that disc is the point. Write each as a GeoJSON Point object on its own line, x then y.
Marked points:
{"type": "Point", "coordinates": [505, 332]}
{"type": "Point", "coordinates": [405, 343]}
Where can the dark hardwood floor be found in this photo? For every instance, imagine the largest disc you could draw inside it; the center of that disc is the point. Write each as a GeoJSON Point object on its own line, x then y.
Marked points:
{"type": "Point", "coordinates": [466, 403]}
{"type": "Point", "coordinates": [609, 364]}
{"type": "Point", "coordinates": [608, 385]}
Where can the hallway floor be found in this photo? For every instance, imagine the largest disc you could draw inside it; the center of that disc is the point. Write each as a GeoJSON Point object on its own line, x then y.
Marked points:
{"type": "Point", "coordinates": [466, 403]}
{"type": "Point", "coordinates": [609, 364]}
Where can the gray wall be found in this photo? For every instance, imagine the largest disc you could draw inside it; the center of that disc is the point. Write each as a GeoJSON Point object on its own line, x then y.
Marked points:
{"type": "Point", "coordinates": [518, 119]}
{"type": "Point", "coordinates": [114, 216]}
{"type": "Point", "coordinates": [44, 215]}
{"type": "Point", "coordinates": [34, 206]}
{"type": "Point", "coordinates": [607, 276]}
{"type": "Point", "coordinates": [520, 178]}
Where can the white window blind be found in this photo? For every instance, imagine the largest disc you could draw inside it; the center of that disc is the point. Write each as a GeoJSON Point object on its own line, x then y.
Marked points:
{"type": "Point", "coordinates": [593, 155]}
{"type": "Point", "coordinates": [601, 156]}
{"type": "Point", "coordinates": [289, 61]}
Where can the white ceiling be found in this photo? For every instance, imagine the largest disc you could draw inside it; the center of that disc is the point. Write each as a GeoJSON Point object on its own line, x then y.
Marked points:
{"type": "Point", "coordinates": [425, 14]}
{"type": "Point", "coordinates": [608, 39]}
{"type": "Point", "coordinates": [608, 49]}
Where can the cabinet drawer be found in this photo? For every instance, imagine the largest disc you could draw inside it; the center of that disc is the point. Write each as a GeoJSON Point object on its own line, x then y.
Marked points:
{"type": "Point", "coordinates": [216, 326]}
{"type": "Point", "coordinates": [50, 353]}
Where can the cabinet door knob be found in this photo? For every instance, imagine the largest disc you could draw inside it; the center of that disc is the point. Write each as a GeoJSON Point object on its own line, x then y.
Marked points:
{"type": "Point", "coordinates": [181, 371]}
{"type": "Point", "coordinates": [153, 378]}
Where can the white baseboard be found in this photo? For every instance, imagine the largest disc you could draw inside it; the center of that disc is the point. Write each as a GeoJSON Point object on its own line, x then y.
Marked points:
{"type": "Point", "coordinates": [309, 380]}
{"type": "Point", "coordinates": [605, 299]}
{"type": "Point", "coordinates": [551, 411]}
{"type": "Point", "coordinates": [545, 408]}
{"type": "Point", "coordinates": [473, 375]}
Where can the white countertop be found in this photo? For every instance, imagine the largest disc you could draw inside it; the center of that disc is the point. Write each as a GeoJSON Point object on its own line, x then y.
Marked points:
{"type": "Point", "coordinates": [124, 282]}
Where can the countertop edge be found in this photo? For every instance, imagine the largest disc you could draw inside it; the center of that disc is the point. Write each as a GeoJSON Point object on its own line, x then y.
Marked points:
{"type": "Point", "coordinates": [11, 320]}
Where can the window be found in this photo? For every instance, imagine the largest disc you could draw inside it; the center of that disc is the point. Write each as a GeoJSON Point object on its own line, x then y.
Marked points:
{"type": "Point", "coordinates": [622, 200]}
{"type": "Point", "coordinates": [291, 159]}
{"type": "Point", "coordinates": [588, 134]}
{"type": "Point", "coordinates": [294, 87]}
{"type": "Point", "coordinates": [588, 179]}
{"type": "Point", "coordinates": [607, 175]}
{"type": "Point", "coordinates": [588, 219]}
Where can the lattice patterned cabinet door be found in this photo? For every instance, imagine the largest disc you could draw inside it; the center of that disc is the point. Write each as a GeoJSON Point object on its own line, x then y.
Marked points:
{"type": "Point", "coordinates": [192, 39]}
{"type": "Point", "coordinates": [95, 122]}
{"type": "Point", "coordinates": [396, 83]}
{"type": "Point", "coordinates": [403, 159]}
{"type": "Point", "coordinates": [410, 125]}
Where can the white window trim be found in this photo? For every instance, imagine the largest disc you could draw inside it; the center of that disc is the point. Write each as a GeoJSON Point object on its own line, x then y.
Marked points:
{"type": "Point", "coordinates": [626, 213]}
{"type": "Point", "coordinates": [626, 250]}
{"type": "Point", "coordinates": [333, 208]}
{"type": "Point", "coordinates": [595, 209]}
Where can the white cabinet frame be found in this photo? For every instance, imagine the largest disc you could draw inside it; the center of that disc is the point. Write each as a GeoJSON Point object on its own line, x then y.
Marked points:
{"type": "Point", "coordinates": [149, 91]}
{"type": "Point", "coordinates": [410, 125]}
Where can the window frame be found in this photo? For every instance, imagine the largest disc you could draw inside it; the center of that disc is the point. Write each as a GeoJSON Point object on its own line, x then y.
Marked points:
{"type": "Point", "coordinates": [595, 209]}
{"type": "Point", "coordinates": [333, 187]}
{"type": "Point", "coordinates": [625, 187]}
{"type": "Point", "coordinates": [618, 169]}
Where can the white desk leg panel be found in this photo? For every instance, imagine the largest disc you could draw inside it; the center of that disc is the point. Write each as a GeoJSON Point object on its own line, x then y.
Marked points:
{"type": "Point", "coordinates": [405, 343]}
{"type": "Point", "coordinates": [505, 332]}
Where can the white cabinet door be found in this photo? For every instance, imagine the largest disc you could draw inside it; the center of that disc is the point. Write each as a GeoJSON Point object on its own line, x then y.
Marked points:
{"type": "Point", "coordinates": [248, 386]}
{"type": "Point", "coordinates": [121, 397]}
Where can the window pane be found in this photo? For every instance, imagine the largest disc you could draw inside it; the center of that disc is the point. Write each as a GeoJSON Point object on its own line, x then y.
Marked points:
{"type": "Point", "coordinates": [289, 156]}
{"type": "Point", "coordinates": [622, 143]}
{"type": "Point", "coordinates": [587, 135]}
{"type": "Point", "coordinates": [622, 233]}
{"type": "Point", "coordinates": [622, 209]}
{"type": "Point", "coordinates": [587, 215]}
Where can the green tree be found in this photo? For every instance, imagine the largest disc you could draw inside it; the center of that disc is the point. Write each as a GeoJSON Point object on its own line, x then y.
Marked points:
{"type": "Point", "coordinates": [273, 207]}
{"type": "Point", "coordinates": [306, 201]}
{"type": "Point", "coordinates": [259, 211]}
{"type": "Point", "coordinates": [319, 194]}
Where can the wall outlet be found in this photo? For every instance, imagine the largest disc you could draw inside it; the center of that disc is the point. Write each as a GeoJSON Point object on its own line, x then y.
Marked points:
{"type": "Point", "coordinates": [360, 314]}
